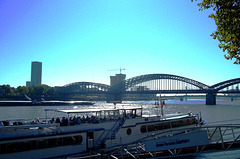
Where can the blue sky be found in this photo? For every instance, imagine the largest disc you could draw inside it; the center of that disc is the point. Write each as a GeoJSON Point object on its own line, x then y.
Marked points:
{"type": "Point", "coordinates": [82, 40]}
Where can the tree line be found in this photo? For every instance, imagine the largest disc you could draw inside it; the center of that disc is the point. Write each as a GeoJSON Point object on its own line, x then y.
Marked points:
{"type": "Point", "coordinates": [23, 90]}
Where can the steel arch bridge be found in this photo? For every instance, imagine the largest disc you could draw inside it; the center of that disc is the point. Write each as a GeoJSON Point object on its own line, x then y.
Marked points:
{"type": "Point", "coordinates": [84, 87]}
{"type": "Point", "coordinates": [148, 82]}
{"type": "Point", "coordinates": [152, 84]}
{"type": "Point", "coordinates": [162, 82]}
{"type": "Point", "coordinates": [225, 84]}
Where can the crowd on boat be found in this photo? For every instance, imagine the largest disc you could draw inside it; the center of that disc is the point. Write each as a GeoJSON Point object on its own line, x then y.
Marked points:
{"type": "Point", "coordinates": [68, 121]}
{"type": "Point", "coordinates": [7, 123]}
{"type": "Point", "coordinates": [13, 123]}
{"type": "Point", "coordinates": [64, 121]}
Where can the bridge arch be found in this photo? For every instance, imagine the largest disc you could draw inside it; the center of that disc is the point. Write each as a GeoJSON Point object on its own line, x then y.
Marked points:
{"type": "Point", "coordinates": [168, 77]}
{"type": "Point", "coordinates": [225, 84]}
{"type": "Point", "coordinates": [86, 87]}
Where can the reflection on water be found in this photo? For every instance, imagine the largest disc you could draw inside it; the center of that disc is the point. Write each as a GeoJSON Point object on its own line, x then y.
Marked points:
{"type": "Point", "coordinates": [225, 111]}
{"type": "Point", "coordinates": [225, 154]}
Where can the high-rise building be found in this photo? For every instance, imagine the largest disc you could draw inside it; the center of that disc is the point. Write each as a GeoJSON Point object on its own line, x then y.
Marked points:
{"type": "Point", "coordinates": [117, 79]}
{"type": "Point", "coordinates": [28, 83]}
{"type": "Point", "coordinates": [36, 73]}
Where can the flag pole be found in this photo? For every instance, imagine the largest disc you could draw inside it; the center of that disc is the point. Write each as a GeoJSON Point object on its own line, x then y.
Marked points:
{"type": "Point", "coordinates": [160, 100]}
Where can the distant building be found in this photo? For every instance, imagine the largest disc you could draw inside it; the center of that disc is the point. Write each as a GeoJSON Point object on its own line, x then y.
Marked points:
{"type": "Point", "coordinates": [28, 84]}
{"type": "Point", "coordinates": [36, 73]}
{"type": "Point", "coordinates": [118, 78]}
{"type": "Point", "coordinates": [140, 88]}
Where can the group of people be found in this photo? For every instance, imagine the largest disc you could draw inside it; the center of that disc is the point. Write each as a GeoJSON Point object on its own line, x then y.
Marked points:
{"type": "Point", "coordinates": [64, 121]}
{"type": "Point", "coordinates": [74, 120]}
{"type": "Point", "coordinates": [7, 123]}
{"type": "Point", "coordinates": [4, 123]}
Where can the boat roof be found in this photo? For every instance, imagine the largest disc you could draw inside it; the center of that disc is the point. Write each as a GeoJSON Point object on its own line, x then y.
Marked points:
{"type": "Point", "coordinates": [129, 108]}
{"type": "Point", "coordinates": [90, 110]}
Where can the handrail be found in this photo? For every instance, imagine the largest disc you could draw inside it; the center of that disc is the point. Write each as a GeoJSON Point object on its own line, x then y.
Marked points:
{"type": "Point", "coordinates": [108, 132]}
{"type": "Point", "coordinates": [171, 131]}
{"type": "Point", "coordinates": [29, 126]}
{"type": "Point", "coordinates": [226, 134]}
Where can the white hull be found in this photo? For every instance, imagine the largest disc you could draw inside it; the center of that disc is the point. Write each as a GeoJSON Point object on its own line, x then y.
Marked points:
{"type": "Point", "coordinates": [47, 153]}
{"type": "Point", "coordinates": [53, 140]}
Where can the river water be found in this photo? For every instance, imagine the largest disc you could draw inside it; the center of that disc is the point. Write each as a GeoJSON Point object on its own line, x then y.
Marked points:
{"type": "Point", "coordinates": [225, 112]}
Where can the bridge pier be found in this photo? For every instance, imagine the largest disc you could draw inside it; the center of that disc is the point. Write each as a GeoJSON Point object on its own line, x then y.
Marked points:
{"type": "Point", "coordinates": [114, 98]}
{"type": "Point", "coordinates": [211, 99]}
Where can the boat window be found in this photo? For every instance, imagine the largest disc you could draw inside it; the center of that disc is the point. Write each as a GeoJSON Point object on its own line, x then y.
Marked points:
{"type": "Point", "coordinates": [90, 135]}
{"type": "Point", "coordinates": [168, 125]}
{"type": "Point", "coordinates": [139, 112]}
{"type": "Point", "coordinates": [122, 112]}
{"type": "Point", "coordinates": [129, 113]}
{"type": "Point", "coordinates": [143, 129]}
{"type": "Point", "coordinates": [79, 139]}
{"type": "Point", "coordinates": [184, 122]}
{"type": "Point", "coordinates": [53, 142]}
{"type": "Point", "coordinates": [150, 128]}
{"type": "Point", "coordinates": [129, 131]}
{"type": "Point", "coordinates": [174, 124]}
{"type": "Point", "coordinates": [157, 127]}
{"type": "Point", "coordinates": [40, 144]}
{"type": "Point", "coordinates": [193, 121]}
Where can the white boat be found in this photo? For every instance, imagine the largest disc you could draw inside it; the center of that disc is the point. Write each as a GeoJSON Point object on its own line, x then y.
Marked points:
{"type": "Point", "coordinates": [85, 130]}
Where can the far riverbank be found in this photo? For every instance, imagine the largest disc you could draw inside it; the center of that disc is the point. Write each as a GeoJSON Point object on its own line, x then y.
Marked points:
{"type": "Point", "coordinates": [44, 103]}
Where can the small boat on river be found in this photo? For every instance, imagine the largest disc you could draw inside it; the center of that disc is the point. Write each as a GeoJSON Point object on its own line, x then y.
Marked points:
{"type": "Point", "coordinates": [82, 131]}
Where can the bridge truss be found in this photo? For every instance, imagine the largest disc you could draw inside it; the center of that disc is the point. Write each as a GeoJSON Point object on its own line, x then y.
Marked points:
{"type": "Point", "coordinates": [161, 82]}
{"type": "Point", "coordinates": [84, 87]}
{"type": "Point", "coordinates": [153, 84]}
{"type": "Point", "coordinates": [224, 86]}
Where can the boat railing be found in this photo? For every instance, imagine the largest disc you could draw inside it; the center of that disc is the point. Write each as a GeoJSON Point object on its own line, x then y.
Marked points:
{"type": "Point", "coordinates": [108, 133]}
{"type": "Point", "coordinates": [223, 133]}
{"type": "Point", "coordinates": [31, 126]}
{"type": "Point", "coordinates": [24, 122]}
{"type": "Point", "coordinates": [223, 136]}
{"type": "Point", "coordinates": [216, 133]}
{"type": "Point", "coordinates": [171, 132]}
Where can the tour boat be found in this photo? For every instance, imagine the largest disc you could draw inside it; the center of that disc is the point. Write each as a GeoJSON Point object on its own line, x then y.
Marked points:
{"type": "Point", "coordinates": [81, 131]}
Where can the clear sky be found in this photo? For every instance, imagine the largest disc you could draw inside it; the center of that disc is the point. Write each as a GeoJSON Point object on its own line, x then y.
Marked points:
{"type": "Point", "coordinates": [82, 40]}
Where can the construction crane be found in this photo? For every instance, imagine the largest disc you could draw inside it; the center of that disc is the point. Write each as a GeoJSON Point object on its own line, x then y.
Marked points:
{"type": "Point", "coordinates": [121, 69]}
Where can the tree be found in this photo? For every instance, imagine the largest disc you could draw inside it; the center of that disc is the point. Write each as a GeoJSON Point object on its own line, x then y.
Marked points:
{"type": "Point", "coordinates": [41, 90]}
{"type": "Point", "coordinates": [22, 90]}
{"type": "Point", "coordinates": [30, 89]}
{"type": "Point", "coordinates": [50, 91]}
{"type": "Point", "coordinates": [227, 19]}
{"type": "Point", "coordinates": [38, 90]}
{"type": "Point", "coordinates": [8, 89]}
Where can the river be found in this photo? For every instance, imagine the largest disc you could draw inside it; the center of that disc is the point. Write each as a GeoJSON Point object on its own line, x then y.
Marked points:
{"type": "Point", "coordinates": [225, 112]}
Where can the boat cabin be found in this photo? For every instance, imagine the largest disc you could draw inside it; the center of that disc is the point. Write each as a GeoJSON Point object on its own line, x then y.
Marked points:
{"type": "Point", "coordinates": [80, 116]}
